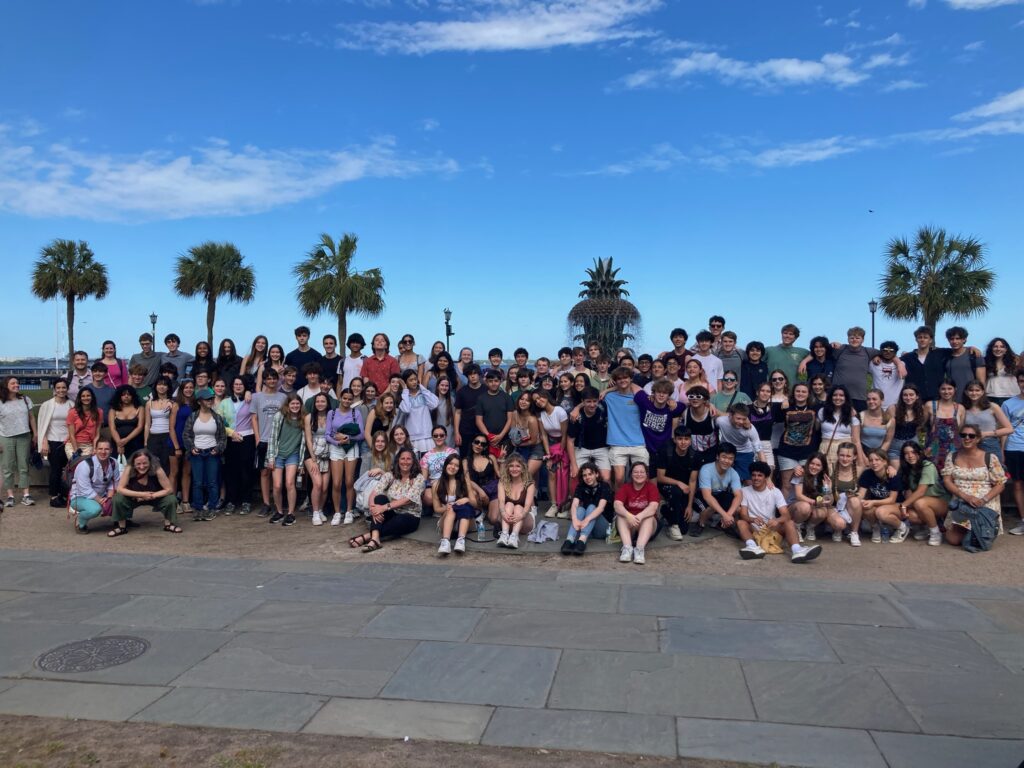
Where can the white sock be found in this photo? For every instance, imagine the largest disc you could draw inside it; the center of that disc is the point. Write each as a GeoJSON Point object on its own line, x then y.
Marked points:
{"type": "Point", "coordinates": [934, 529]}
{"type": "Point", "coordinates": [750, 543]}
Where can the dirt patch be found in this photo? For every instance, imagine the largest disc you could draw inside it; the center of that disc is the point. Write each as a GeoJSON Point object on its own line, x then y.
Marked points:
{"type": "Point", "coordinates": [34, 742]}
{"type": "Point", "coordinates": [251, 537]}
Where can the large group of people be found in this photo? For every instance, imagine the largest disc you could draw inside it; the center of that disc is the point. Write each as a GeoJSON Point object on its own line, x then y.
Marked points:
{"type": "Point", "coordinates": [774, 444]}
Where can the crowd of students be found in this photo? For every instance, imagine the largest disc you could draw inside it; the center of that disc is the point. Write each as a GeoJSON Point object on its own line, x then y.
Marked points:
{"type": "Point", "coordinates": [773, 444]}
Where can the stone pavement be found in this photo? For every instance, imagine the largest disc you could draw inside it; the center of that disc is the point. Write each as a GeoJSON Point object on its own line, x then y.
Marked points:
{"type": "Point", "coordinates": [795, 671]}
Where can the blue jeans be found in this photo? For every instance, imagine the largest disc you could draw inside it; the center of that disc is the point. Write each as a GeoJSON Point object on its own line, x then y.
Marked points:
{"type": "Point", "coordinates": [205, 479]}
{"type": "Point", "coordinates": [598, 526]}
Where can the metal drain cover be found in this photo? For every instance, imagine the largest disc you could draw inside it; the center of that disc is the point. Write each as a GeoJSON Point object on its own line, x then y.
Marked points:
{"type": "Point", "coordinates": [93, 654]}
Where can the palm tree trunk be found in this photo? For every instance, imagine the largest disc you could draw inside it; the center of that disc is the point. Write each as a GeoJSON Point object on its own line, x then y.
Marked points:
{"type": "Point", "coordinates": [71, 327]}
{"type": "Point", "coordinates": [931, 319]}
{"type": "Point", "coordinates": [342, 332]}
{"type": "Point", "coordinates": [211, 313]}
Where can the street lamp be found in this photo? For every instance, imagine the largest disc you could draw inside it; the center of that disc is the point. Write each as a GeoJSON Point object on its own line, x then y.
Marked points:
{"type": "Point", "coordinates": [873, 306]}
{"type": "Point", "coordinates": [152, 322]}
{"type": "Point", "coordinates": [447, 329]}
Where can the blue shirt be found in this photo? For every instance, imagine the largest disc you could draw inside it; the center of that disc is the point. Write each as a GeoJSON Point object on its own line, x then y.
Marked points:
{"type": "Point", "coordinates": [623, 421]}
{"type": "Point", "coordinates": [1014, 410]}
{"type": "Point", "coordinates": [709, 478]}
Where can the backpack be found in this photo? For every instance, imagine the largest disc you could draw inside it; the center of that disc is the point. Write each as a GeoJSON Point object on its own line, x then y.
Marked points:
{"type": "Point", "coordinates": [68, 475]}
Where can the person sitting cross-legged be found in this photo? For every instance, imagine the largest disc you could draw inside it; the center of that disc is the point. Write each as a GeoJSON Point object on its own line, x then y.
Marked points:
{"type": "Point", "coordinates": [143, 483]}
{"type": "Point", "coordinates": [764, 508]}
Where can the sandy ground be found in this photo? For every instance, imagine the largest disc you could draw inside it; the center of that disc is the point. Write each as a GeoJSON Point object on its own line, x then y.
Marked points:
{"type": "Point", "coordinates": [41, 527]}
{"type": "Point", "coordinates": [32, 742]}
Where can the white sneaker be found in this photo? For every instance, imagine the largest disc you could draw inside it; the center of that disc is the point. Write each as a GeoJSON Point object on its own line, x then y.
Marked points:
{"type": "Point", "coordinates": [854, 539]}
{"type": "Point", "coordinates": [460, 545]}
{"type": "Point", "coordinates": [563, 514]}
{"type": "Point", "coordinates": [318, 519]}
{"type": "Point", "coordinates": [513, 541]}
{"type": "Point", "coordinates": [638, 556]}
{"type": "Point", "coordinates": [445, 548]}
{"type": "Point", "coordinates": [626, 555]}
{"type": "Point", "coordinates": [920, 534]}
{"type": "Point", "coordinates": [349, 518]}
{"type": "Point", "coordinates": [811, 534]}
{"type": "Point", "coordinates": [336, 518]}
{"type": "Point", "coordinates": [503, 539]}
{"type": "Point", "coordinates": [837, 537]}
{"type": "Point", "coordinates": [550, 511]}
{"type": "Point", "coordinates": [752, 552]}
{"type": "Point", "coordinates": [876, 534]}
{"type": "Point", "coordinates": [934, 538]}
{"type": "Point", "coordinates": [1017, 530]}
{"type": "Point", "coordinates": [675, 533]}
{"type": "Point", "coordinates": [900, 534]}
{"type": "Point", "coordinates": [805, 554]}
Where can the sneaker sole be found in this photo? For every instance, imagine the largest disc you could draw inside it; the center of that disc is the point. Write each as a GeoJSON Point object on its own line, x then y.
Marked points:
{"type": "Point", "coordinates": [746, 554]}
{"type": "Point", "coordinates": [811, 555]}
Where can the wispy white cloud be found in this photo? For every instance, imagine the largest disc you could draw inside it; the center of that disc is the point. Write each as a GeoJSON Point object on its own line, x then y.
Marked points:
{"type": "Point", "coordinates": [505, 25]}
{"type": "Point", "coordinates": [886, 60]}
{"type": "Point", "coordinates": [1006, 104]}
{"type": "Point", "coordinates": [979, 5]}
{"type": "Point", "coordinates": [213, 180]}
{"type": "Point", "coordinates": [902, 85]}
{"type": "Point", "coordinates": [429, 124]}
{"type": "Point", "coordinates": [977, 45]}
{"type": "Point", "coordinates": [917, 3]}
{"type": "Point", "coordinates": [660, 157]}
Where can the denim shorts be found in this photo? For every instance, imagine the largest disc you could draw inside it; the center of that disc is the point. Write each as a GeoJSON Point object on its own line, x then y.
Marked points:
{"type": "Point", "coordinates": [280, 462]}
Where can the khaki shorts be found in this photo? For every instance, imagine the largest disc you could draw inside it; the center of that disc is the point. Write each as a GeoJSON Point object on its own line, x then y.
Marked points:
{"type": "Point", "coordinates": [597, 455]}
{"type": "Point", "coordinates": [623, 455]}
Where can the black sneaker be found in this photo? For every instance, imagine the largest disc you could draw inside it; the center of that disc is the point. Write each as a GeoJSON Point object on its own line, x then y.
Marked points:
{"type": "Point", "coordinates": [568, 546]}
{"type": "Point", "coordinates": [264, 511]}
{"type": "Point", "coordinates": [277, 517]}
{"type": "Point", "coordinates": [696, 529]}
{"type": "Point", "coordinates": [289, 520]}
{"type": "Point", "coordinates": [580, 548]}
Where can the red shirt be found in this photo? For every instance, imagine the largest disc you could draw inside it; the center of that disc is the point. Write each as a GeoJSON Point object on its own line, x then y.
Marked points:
{"type": "Point", "coordinates": [379, 371]}
{"type": "Point", "coordinates": [636, 501]}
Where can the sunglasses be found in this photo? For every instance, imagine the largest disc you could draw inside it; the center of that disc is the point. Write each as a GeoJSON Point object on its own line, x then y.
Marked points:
{"type": "Point", "coordinates": [777, 378]}
{"type": "Point", "coordinates": [731, 381]}
{"type": "Point", "coordinates": [481, 443]}
{"type": "Point", "coordinates": [439, 436]}
{"type": "Point", "coordinates": [968, 436]}
{"type": "Point", "coordinates": [695, 397]}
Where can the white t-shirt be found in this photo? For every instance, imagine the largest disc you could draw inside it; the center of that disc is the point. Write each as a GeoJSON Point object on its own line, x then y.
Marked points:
{"type": "Point", "coordinates": [886, 377]}
{"type": "Point", "coordinates": [745, 440]}
{"type": "Point", "coordinates": [713, 368]}
{"type": "Point", "coordinates": [552, 422]}
{"type": "Point", "coordinates": [761, 505]}
{"type": "Point", "coordinates": [835, 431]}
{"type": "Point", "coordinates": [57, 430]}
{"type": "Point", "coordinates": [349, 368]}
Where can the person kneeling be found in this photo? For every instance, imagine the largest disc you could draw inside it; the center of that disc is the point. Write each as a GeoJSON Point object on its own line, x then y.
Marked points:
{"type": "Point", "coordinates": [144, 483]}
{"type": "Point", "coordinates": [763, 508]}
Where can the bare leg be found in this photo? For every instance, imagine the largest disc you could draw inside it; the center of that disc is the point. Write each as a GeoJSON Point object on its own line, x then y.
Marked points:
{"type": "Point", "coordinates": [338, 469]}
{"type": "Point", "coordinates": [289, 481]}
{"type": "Point", "coordinates": [350, 491]}
{"type": "Point", "coordinates": [278, 489]}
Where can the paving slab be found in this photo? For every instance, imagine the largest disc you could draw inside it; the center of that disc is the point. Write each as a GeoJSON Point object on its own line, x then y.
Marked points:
{"type": "Point", "coordinates": [22, 643]}
{"type": "Point", "coordinates": [6, 595]}
{"type": "Point", "coordinates": [952, 614]}
{"type": "Point", "coordinates": [34, 555]}
{"type": "Point", "coordinates": [400, 570]}
{"type": "Point", "coordinates": [517, 573]}
{"type": "Point", "coordinates": [306, 566]}
{"type": "Point", "coordinates": [904, 648]}
{"type": "Point", "coordinates": [823, 607]}
{"type": "Point", "coordinates": [975, 704]}
{"type": "Point", "coordinates": [1008, 615]}
{"type": "Point", "coordinates": [214, 708]}
{"type": "Point", "coordinates": [473, 673]}
{"type": "Point", "coordinates": [119, 558]}
{"type": "Point", "coordinates": [652, 683]}
{"type": "Point", "coordinates": [966, 591]}
{"type": "Point", "coordinates": [416, 622]}
{"type": "Point", "coordinates": [592, 731]}
{"type": "Point", "coordinates": [838, 695]}
{"type": "Point", "coordinates": [832, 586]}
{"type": "Point", "coordinates": [772, 744]}
{"type": "Point", "coordinates": [87, 701]}
{"type": "Point", "coordinates": [182, 582]}
{"type": "Point", "coordinates": [906, 750]}
{"type": "Point", "coordinates": [350, 590]}
{"type": "Point", "coordinates": [376, 719]}
{"type": "Point", "coordinates": [14, 572]}
{"type": "Point", "coordinates": [551, 629]}
{"type": "Point", "coordinates": [162, 611]}
{"type": "Point", "coordinates": [741, 639]}
{"type": "Point", "coordinates": [327, 619]}
{"type": "Point", "coordinates": [52, 606]}
{"type": "Point", "coordinates": [293, 663]}
{"type": "Point", "coordinates": [682, 601]}
{"type": "Point", "coordinates": [634, 576]}
{"type": "Point", "coordinates": [79, 579]}
{"type": "Point", "coordinates": [550, 596]}
{"type": "Point", "coordinates": [433, 590]}
{"type": "Point", "coordinates": [1006, 648]}
{"type": "Point", "coordinates": [6, 683]}
{"type": "Point", "coordinates": [211, 564]}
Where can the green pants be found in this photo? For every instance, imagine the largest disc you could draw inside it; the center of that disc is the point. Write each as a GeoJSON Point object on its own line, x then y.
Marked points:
{"type": "Point", "coordinates": [165, 505]}
{"type": "Point", "coordinates": [15, 460]}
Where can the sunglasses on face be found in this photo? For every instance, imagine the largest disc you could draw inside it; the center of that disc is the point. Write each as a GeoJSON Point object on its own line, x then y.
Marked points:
{"type": "Point", "coordinates": [695, 397]}
{"type": "Point", "coordinates": [777, 378]}
{"type": "Point", "coordinates": [730, 381]}
{"type": "Point", "coordinates": [481, 443]}
{"type": "Point", "coordinates": [439, 437]}
{"type": "Point", "coordinates": [968, 436]}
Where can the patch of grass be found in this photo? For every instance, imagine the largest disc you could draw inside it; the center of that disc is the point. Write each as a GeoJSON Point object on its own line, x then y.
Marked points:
{"type": "Point", "coordinates": [248, 758]}
{"type": "Point", "coordinates": [53, 747]}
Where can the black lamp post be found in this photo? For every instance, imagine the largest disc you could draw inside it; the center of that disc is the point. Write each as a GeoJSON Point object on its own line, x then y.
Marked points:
{"type": "Point", "coordinates": [447, 329]}
{"type": "Point", "coordinates": [873, 306]}
{"type": "Point", "coordinates": [152, 322]}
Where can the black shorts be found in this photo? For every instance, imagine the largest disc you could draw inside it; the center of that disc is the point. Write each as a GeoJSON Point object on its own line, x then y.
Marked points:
{"type": "Point", "coordinates": [261, 455]}
{"type": "Point", "coordinates": [1014, 464]}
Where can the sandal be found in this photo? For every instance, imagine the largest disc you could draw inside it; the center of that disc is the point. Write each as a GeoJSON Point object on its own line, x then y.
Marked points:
{"type": "Point", "coordinates": [359, 541]}
{"type": "Point", "coordinates": [172, 528]}
{"type": "Point", "coordinates": [372, 546]}
{"type": "Point", "coordinates": [118, 531]}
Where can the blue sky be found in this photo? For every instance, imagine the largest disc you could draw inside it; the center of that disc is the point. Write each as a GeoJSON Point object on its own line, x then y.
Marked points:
{"type": "Point", "coordinates": [726, 154]}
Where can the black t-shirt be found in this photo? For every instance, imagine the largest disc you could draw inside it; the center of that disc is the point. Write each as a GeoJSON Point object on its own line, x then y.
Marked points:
{"type": "Point", "coordinates": [590, 432]}
{"type": "Point", "coordinates": [298, 359]}
{"type": "Point", "coordinates": [799, 432]}
{"type": "Point", "coordinates": [465, 402]}
{"type": "Point", "coordinates": [329, 368]}
{"type": "Point", "coordinates": [752, 375]}
{"type": "Point", "coordinates": [878, 488]}
{"type": "Point", "coordinates": [677, 467]}
{"type": "Point", "coordinates": [494, 409]}
{"type": "Point", "coordinates": [928, 375]}
{"type": "Point", "coordinates": [763, 421]}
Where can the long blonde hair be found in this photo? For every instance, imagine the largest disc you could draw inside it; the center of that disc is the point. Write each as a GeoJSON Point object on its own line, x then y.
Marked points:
{"type": "Point", "coordinates": [506, 481]}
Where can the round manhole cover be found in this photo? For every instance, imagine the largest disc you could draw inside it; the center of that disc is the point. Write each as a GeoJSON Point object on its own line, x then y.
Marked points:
{"type": "Point", "coordinates": [93, 654]}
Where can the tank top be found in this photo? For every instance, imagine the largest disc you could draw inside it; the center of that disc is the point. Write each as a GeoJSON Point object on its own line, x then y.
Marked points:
{"type": "Point", "coordinates": [135, 485]}
{"type": "Point", "coordinates": [848, 487]}
{"type": "Point", "coordinates": [944, 437]}
{"type": "Point", "coordinates": [983, 420]}
{"type": "Point", "coordinates": [904, 431]}
{"type": "Point", "coordinates": [125, 427]}
{"type": "Point", "coordinates": [484, 476]}
{"type": "Point", "coordinates": [704, 436]}
{"type": "Point", "coordinates": [57, 430]}
{"type": "Point", "coordinates": [205, 433]}
{"type": "Point", "coordinates": [872, 436]}
{"type": "Point", "coordinates": [160, 421]}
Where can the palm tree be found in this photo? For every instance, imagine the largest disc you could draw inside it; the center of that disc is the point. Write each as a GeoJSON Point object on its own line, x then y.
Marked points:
{"type": "Point", "coordinates": [326, 282]}
{"type": "Point", "coordinates": [604, 315]}
{"type": "Point", "coordinates": [937, 276]}
{"type": "Point", "coordinates": [212, 270]}
{"type": "Point", "coordinates": [67, 269]}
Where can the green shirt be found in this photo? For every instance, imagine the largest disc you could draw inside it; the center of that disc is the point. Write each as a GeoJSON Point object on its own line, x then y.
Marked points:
{"type": "Point", "coordinates": [785, 359]}
{"type": "Point", "coordinates": [290, 438]}
{"type": "Point", "coordinates": [721, 400]}
{"type": "Point", "coordinates": [930, 477]}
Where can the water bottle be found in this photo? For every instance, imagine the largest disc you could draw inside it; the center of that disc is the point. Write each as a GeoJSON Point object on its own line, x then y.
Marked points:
{"type": "Point", "coordinates": [826, 493]}
{"type": "Point", "coordinates": [886, 534]}
{"type": "Point", "coordinates": [481, 529]}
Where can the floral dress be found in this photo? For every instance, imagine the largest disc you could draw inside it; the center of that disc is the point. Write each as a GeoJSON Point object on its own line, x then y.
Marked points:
{"type": "Point", "coordinates": [976, 481]}
{"type": "Point", "coordinates": [943, 437]}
